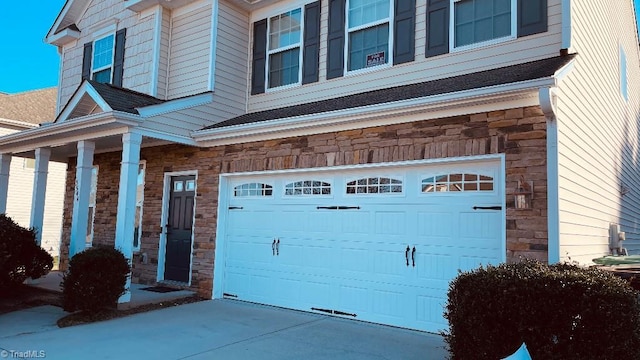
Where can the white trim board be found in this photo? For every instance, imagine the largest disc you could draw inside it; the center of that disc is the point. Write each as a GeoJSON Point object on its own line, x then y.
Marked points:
{"type": "Point", "coordinates": [164, 217]}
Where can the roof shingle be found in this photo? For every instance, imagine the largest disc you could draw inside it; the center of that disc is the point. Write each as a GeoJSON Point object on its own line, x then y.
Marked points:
{"type": "Point", "coordinates": [504, 75]}
{"type": "Point", "coordinates": [121, 99]}
{"type": "Point", "coordinates": [33, 107]}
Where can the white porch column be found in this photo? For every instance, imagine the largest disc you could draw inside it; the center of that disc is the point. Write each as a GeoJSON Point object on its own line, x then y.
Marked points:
{"type": "Point", "coordinates": [125, 218]}
{"type": "Point", "coordinates": [80, 215]}
{"type": "Point", "coordinates": [39, 191]}
{"type": "Point", "coordinates": [5, 164]}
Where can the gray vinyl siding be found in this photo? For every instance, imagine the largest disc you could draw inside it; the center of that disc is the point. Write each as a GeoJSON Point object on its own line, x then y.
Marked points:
{"type": "Point", "coordinates": [190, 52]}
{"type": "Point", "coordinates": [231, 54]}
{"type": "Point", "coordinates": [598, 133]}
{"type": "Point", "coordinates": [163, 63]}
{"type": "Point", "coordinates": [511, 52]}
{"type": "Point", "coordinates": [20, 194]}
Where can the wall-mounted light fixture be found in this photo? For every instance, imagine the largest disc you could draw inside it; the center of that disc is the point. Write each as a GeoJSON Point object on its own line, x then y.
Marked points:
{"type": "Point", "coordinates": [524, 194]}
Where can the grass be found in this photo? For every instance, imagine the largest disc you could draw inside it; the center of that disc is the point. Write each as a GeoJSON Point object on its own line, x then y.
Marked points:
{"type": "Point", "coordinates": [25, 297]}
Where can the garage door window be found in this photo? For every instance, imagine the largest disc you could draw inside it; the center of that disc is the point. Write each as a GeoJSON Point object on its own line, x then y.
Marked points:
{"type": "Point", "coordinates": [253, 190]}
{"type": "Point", "coordinates": [375, 185]}
{"type": "Point", "coordinates": [307, 188]}
{"type": "Point", "coordinates": [457, 183]}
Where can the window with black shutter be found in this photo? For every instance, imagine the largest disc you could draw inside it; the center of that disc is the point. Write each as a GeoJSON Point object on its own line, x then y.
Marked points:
{"type": "Point", "coordinates": [103, 59]}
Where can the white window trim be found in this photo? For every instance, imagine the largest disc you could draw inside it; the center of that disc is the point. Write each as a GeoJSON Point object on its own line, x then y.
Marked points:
{"type": "Point", "coordinates": [347, 31]}
{"type": "Point", "coordinates": [452, 29]}
{"type": "Point", "coordinates": [113, 56]}
{"type": "Point", "coordinates": [458, 193]}
{"type": "Point", "coordinates": [140, 217]}
{"type": "Point", "coordinates": [286, 182]}
{"type": "Point", "coordinates": [401, 178]}
{"type": "Point", "coordinates": [270, 52]}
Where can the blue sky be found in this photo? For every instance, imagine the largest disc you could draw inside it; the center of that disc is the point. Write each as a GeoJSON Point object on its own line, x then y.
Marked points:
{"type": "Point", "coordinates": [26, 61]}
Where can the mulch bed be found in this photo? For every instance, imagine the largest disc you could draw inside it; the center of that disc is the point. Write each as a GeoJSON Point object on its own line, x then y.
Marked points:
{"type": "Point", "coordinates": [25, 297]}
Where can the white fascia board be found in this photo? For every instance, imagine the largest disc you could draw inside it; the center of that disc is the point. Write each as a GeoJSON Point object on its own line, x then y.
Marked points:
{"type": "Point", "coordinates": [160, 135]}
{"type": "Point", "coordinates": [85, 88]}
{"type": "Point", "coordinates": [92, 126]}
{"type": "Point", "coordinates": [16, 124]}
{"type": "Point", "coordinates": [72, 8]}
{"type": "Point", "coordinates": [176, 105]}
{"type": "Point", "coordinates": [63, 37]}
{"type": "Point", "coordinates": [430, 107]}
{"type": "Point", "coordinates": [561, 73]}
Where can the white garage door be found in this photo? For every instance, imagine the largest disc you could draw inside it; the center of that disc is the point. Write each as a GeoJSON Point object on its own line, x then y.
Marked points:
{"type": "Point", "coordinates": [376, 244]}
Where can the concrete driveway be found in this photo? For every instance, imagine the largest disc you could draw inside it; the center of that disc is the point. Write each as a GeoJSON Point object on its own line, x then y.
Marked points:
{"type": "Point", "coordinates": [218, 329]}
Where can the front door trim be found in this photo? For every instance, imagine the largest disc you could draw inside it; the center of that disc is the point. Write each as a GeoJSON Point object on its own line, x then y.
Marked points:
{"type": "Point", "coordinates": [162, 246]}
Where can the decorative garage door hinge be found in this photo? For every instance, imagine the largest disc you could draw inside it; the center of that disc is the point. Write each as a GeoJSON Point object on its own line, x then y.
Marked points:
{"type": "Point", "coordinates": [334, 312]}
{"type": "Point", "coordinates": [235, 208]}
{"type": "Point", "coordinates": [487, 208]}
{"type": "Point", "coordinates": [338, 207]}
{"type": "Point", "coordinates": [230, 295]}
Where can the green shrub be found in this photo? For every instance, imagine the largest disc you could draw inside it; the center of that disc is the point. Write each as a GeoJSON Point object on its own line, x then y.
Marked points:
{"type": "Point", "coordinates": [20, 256]}
{"type": "Point", "coordinates": [560, 311]}
{"type": "Point", "coordinates": [95, 280]}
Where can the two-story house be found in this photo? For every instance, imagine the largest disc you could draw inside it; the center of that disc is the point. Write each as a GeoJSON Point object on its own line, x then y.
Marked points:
{"type": "Point", "coordinates": [343, 156]}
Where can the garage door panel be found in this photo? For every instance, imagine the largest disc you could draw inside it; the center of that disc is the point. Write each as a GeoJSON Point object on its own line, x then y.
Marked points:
{"type": "Point", "coordinates": [354, 222]}
{"type": "Point", "coordinates": [355, 260]}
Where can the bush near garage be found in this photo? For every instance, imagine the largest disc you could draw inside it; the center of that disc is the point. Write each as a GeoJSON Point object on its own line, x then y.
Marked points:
{"type": "Point", "coordinates": [20, 256]}
{"type": "Point", "coordinates": [95, 280]}
{"type": "Point", "coordinates": [560, 311]}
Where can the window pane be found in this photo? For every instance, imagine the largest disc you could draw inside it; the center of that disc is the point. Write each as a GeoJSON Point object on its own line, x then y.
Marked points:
{"type": "Point", "coordinates": [103, 76]}
{"type": "Point", "coordinates": [367, 44]}
{"type": "Point", "coordinates": [362, 12]}
{"type": "Point", "coordinates": [284, 68]}
{"type": "Point", "coordinates": [284, 29]}
{"type": "Point", "coordinates": [103, 52]}
{"type": "Point", "coordinates": [481, 20]}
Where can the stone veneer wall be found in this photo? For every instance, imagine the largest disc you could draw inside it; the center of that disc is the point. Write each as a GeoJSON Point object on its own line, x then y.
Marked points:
{"type": "Point", "coordinates": [519, 133]}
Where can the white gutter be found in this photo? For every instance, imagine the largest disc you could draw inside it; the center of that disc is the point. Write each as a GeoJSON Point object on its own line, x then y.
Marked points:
{"type": "Point", "coordinates": [356, 116]}
{"type": "Point", "coordinates": [88, 123]}
{"type": "Point", "coordinates": [17, 124]}
{"type": "Point", "coordinates": [548, 106]}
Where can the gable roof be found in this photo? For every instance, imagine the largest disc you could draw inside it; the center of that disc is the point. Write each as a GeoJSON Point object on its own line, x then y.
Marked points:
{"type": "Point", "coordinates": [91, 95]}
{"type": "Point", "coordinates": [504, 75]}
{"type": "Point", "coordinates": [122, 99]}
{"type": "Point", "coordinates": [33, 107]}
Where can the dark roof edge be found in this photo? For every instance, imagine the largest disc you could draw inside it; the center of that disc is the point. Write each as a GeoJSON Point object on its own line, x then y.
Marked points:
{"type": "Point", "coordinates": [499, 76]}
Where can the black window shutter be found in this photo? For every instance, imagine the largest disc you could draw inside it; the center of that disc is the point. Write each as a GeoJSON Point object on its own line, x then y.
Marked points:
{"type": "Point", "coordinates": [532, 17]}
{"type": "Point", "coordinates": [311, 52]}
{"type": "Point", "coordinates": [437, 27]}
{"type": "Point", "coordinates": [335, 39]}
{"type": "Point", "coordinates": [404, 48]}
{"type": "Point", "coordinates": [86, 61]}
{"type": "Point", "coordinates": [118, 59]}
{"type": "Point", "coordinates": [259, 57]}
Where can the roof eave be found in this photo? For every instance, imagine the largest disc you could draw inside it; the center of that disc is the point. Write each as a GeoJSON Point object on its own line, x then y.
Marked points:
{"type": "Point", "coordinates": [86, 127]}
{"type": "Point", "coordinates": [360, 116]}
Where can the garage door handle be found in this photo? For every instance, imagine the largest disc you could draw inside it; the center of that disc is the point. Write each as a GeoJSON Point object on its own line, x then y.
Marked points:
{"type": "Point", "coordinates": [278, 247]}
{"type": "Point", "coordinates": [406, 254]}
{"type": "Point", "coordinates": [413, 256]}
{"type": "Point", "coordinates": [273, 248]}
{"type": "Point", "coordinates": [487, 208]}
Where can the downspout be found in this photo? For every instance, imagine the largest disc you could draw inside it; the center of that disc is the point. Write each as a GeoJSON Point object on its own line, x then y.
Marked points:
{"type": "Point", "coordinates": [547, 98]}
{"type": "Point", "coordinates": [566, 25]}
{"type": "Point", "coordinates": [169, 60]}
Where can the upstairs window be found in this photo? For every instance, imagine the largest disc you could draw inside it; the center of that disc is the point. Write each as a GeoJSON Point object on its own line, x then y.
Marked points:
{"type": "Point", "coordinates": [369, 33]}
{"type": "Point", "coordinates": [103, 58]}
{"type": "Point", "coordinates": [102, 62]}
{"type": "Point", "coordinates": [285, 40]}
{"type": "Point", "coordinates": [478, 21]}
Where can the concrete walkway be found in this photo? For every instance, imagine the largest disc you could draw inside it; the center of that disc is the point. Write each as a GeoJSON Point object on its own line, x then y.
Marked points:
{"type": "Point", "coordinates": [218, 329]}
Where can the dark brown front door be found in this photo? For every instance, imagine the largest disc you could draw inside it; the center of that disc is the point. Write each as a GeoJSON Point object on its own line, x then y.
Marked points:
{"type": "Point", "coordinates": [179, 228]}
